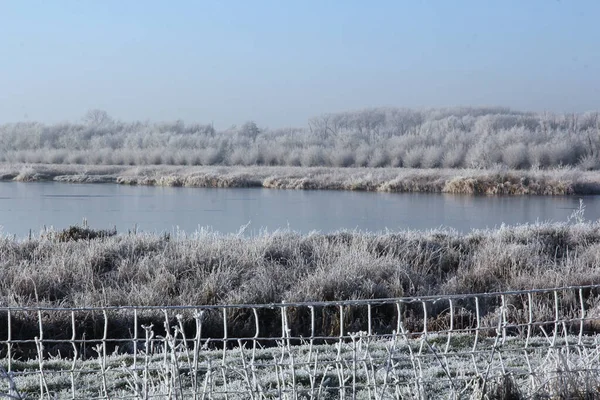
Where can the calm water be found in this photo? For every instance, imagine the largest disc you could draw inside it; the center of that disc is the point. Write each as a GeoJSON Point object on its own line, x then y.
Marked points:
{"type": "Point", "coordinates": [25, 206]}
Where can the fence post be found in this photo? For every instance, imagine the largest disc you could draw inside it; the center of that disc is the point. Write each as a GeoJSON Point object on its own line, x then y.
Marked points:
{"type": "Point", "coordinates": [39, 344]}
{"type": "Point", "coordinates": [257, 331]}
{"type": "Point", "coordinates": [556, 318]}
{"type": "Point", "coordinates": [530, 320]}
{"type": "Point", "coordinates": [341, 322]}
{"type": "Point", "coordinates": [103, 363]}
{"type": "Point", "coordinates": [579, 341]}
{"type": "Point", "coordinates": [476, 340]}
{"type": "Point", "coordinates": [424, 334]}
{"type": "Point", "coordinates": [223, 362]}
{"type": "Point", "coordinates": [75, 354]}
{"type": "Point", "coordinates": [135, 339]}
{"type": "Point", "coordinates": [478, 324]}
{"type": "Point", "coordinates": [451, 325]}
{"type": "Point", "coordinates": [503, 317]}
{"type": "Point", "coordinates": [312, 324]}
{"type": "Point", "coordinates": [9, 340]}
{"type": "Point", "coordinates": [224, 311]}
{"type": "Point", "coordinates": [197, 342]}
{"type": "Point", "coordinates": [369, 316]}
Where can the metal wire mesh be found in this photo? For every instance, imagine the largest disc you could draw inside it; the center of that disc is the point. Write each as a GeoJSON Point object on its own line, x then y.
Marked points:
{"type": "Point", "coordinates": [544, 341]}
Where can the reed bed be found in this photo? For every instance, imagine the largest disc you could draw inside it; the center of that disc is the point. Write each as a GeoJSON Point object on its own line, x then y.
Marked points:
{"type": "Point", "coordinates": [561, 181]}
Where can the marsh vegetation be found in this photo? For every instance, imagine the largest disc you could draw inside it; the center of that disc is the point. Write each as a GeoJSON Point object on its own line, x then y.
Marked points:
{"type": "Point", "coordinates": [212, 268]}
{"type": "Point", "coordinates": [561, 181]}
{"type": "Point", "coordinates": [206, 268]}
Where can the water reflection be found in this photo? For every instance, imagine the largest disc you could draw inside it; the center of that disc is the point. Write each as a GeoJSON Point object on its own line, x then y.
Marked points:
{"type": "Point", "coordinates": [25, 206]}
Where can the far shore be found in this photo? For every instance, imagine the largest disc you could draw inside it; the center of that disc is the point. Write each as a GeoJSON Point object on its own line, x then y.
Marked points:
{"type": "Point", "coordinates": [560, 181]}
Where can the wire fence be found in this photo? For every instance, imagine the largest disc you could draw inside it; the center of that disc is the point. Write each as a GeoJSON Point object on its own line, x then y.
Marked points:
{"type": "Point", "coordinates": [536, 343]}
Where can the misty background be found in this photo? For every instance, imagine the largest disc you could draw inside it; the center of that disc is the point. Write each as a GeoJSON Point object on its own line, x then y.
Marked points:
{"type": "Point", "coordinates": [281, 63]}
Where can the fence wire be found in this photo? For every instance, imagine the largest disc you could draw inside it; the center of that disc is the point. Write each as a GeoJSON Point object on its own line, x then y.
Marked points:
{"type": "Point", "coordinates": [537, 343]}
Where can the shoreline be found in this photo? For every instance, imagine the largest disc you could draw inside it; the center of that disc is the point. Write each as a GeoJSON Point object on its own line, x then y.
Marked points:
{"type": "Point", "coordinates": [391, 180]}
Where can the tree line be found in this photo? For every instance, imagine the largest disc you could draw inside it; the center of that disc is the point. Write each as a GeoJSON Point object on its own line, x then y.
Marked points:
{"type": "Point", "coordinates": [467, 137]}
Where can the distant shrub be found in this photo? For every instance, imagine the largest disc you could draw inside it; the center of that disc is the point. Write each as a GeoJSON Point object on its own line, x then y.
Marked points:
{"type": "Point", "coordinates": [589, 162]}
{"type": "Point", "coordinates": [413, 158]}
{"type": "Point", "coordinates": [343, 158]}
{"type": "Point", "coordinates": [432, 157]}
{"type": "Point", "coordinates": [453, 157]}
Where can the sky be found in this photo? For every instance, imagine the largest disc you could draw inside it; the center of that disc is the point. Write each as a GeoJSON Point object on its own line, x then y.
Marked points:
{"type": "Point", "coordinates": [280, 63]}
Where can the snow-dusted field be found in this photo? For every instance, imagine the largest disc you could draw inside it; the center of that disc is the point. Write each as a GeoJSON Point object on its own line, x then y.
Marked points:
{"type": "Point", "coordinates": [360, 367]}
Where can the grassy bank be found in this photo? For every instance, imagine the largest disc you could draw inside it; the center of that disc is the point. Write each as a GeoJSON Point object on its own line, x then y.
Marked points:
{"type": "Point", "coordinates": [68, 269]}
{"type": "Point", "coordinates": [211, 268]}
{"type": "Point", "coordinates": [460, 181]}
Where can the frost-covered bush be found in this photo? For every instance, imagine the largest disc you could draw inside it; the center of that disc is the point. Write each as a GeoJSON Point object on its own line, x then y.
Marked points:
{"type": "Point", "coordinates": [383, 137]}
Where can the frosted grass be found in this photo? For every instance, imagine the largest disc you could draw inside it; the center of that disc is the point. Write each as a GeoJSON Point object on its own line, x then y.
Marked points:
{"type": "Point", "coordinates": [560, 181]}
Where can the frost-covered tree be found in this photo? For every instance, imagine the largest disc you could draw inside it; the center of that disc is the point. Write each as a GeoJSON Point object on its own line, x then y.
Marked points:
{"type": "Point", "coordinates": [96, 117]}
{"type": "Point", "coordinates": [250, 130]}
{"type": "Point", "coordinates": [383, 137]}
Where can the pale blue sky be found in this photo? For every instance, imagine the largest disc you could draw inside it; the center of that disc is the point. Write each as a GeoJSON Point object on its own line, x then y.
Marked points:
{"type": "Point", "coordinates": [281, 62]}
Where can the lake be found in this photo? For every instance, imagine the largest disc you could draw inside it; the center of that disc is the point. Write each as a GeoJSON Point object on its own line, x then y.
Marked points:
{"type": "Point", "coordinates": [25, 206]}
